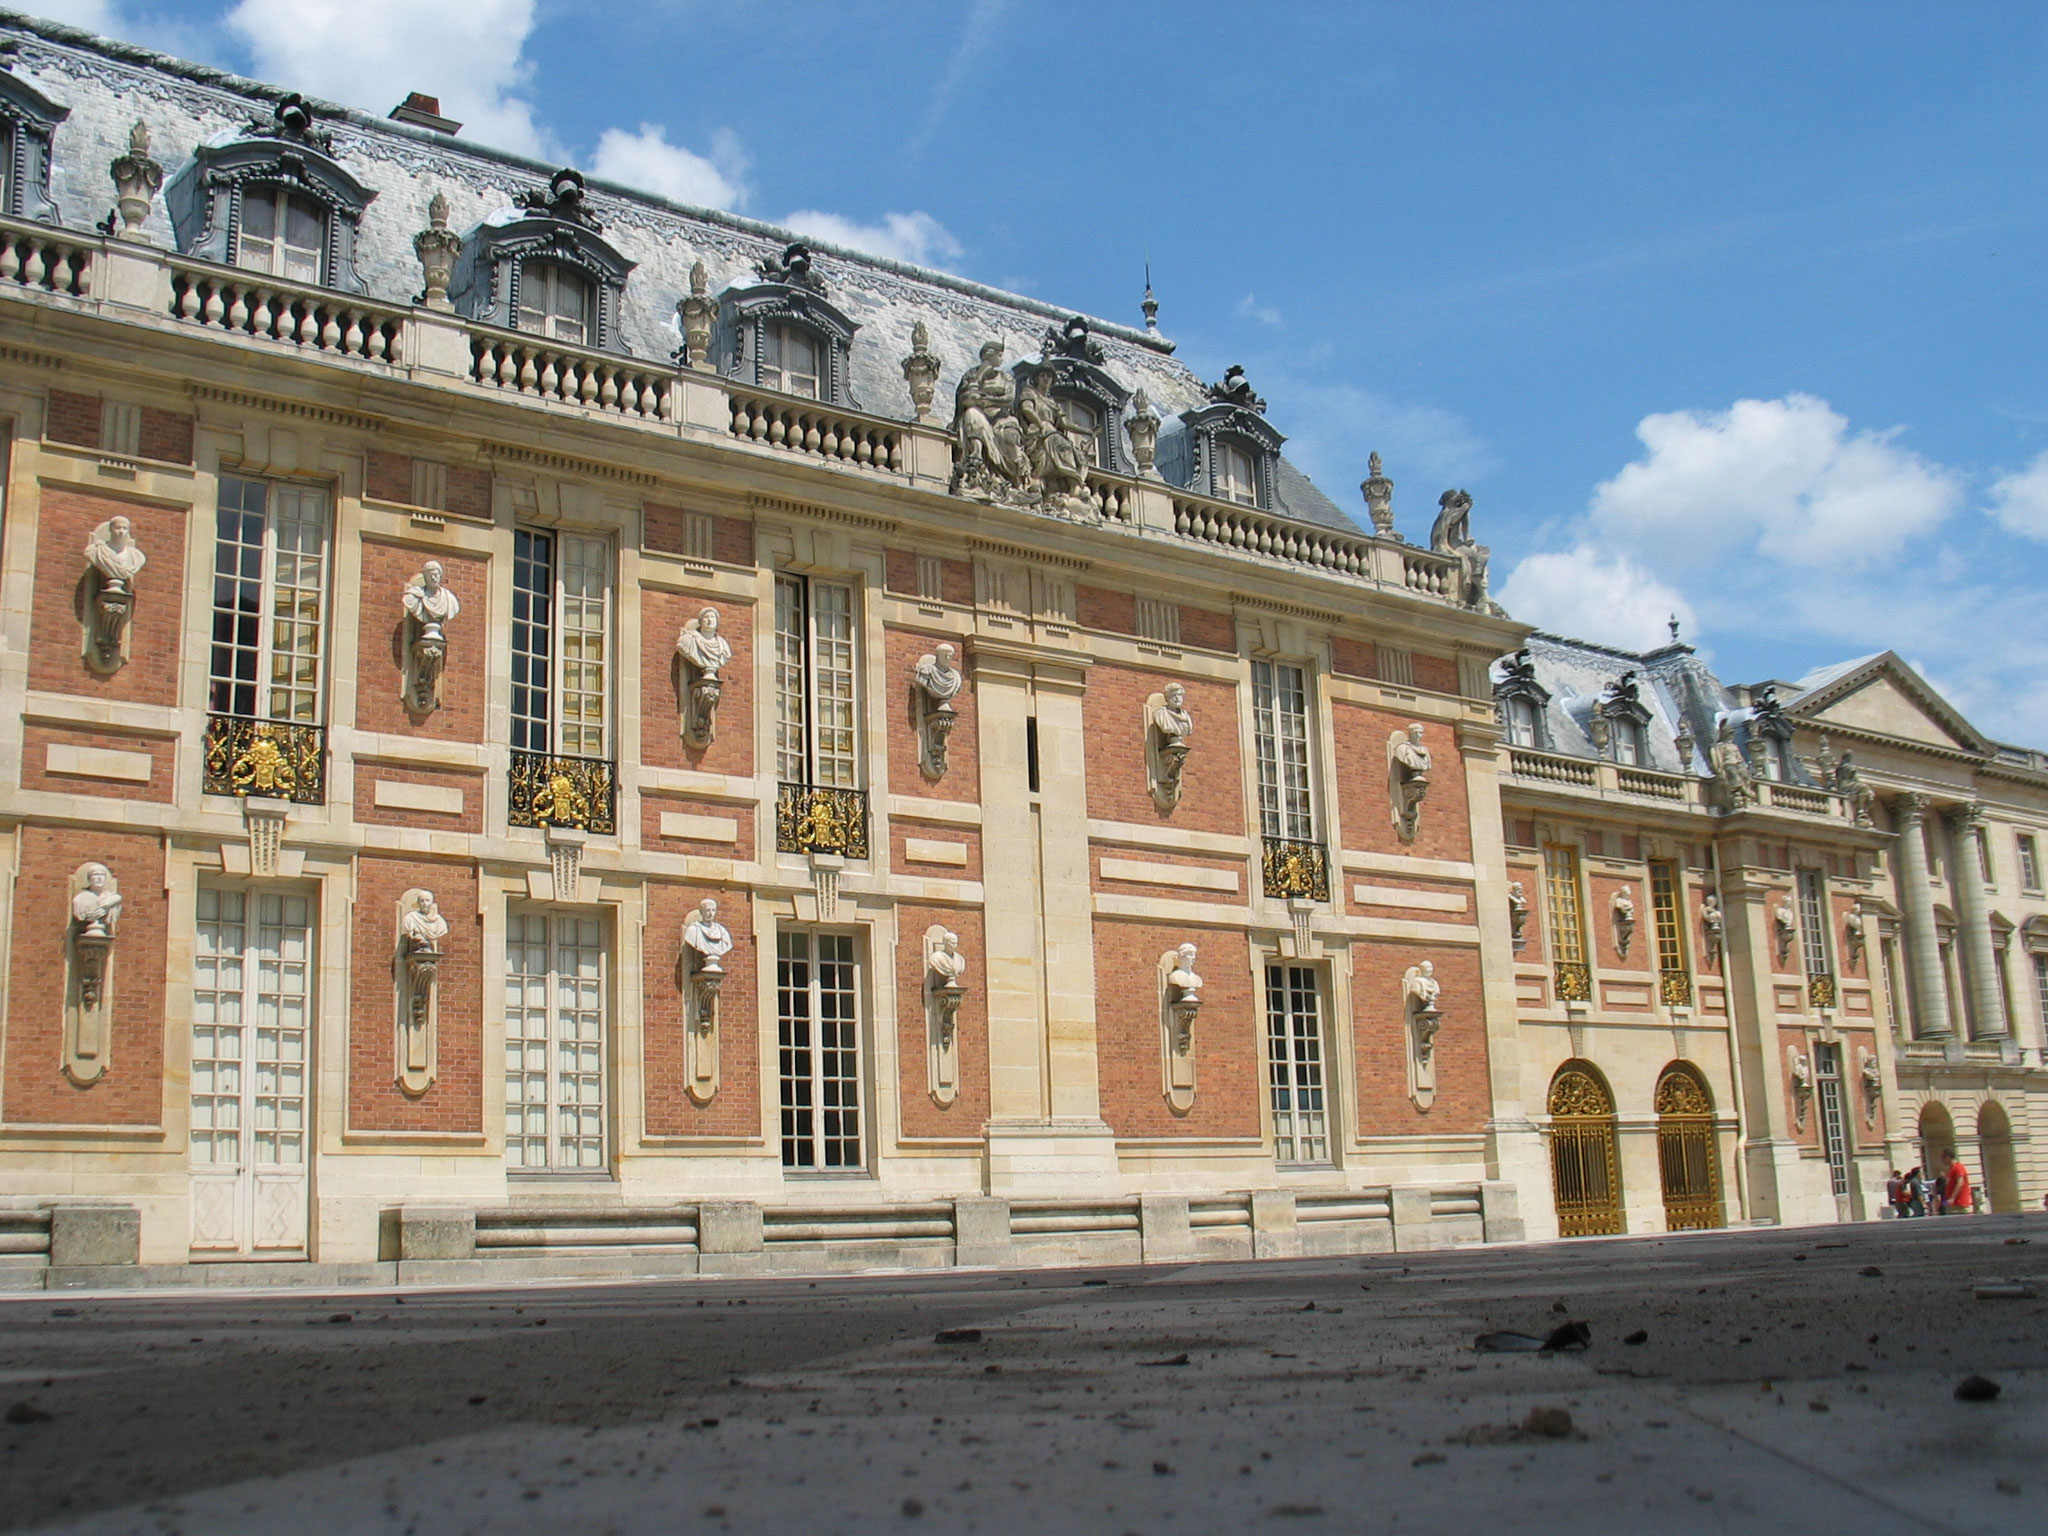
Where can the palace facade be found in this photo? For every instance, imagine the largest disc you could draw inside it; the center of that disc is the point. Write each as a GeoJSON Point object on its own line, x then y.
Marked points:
{"type": "Point", "coordinates": [563, 733]}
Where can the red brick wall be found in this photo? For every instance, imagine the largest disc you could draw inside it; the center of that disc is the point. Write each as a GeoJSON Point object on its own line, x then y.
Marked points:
{"type": "Point", "coordinates": [1121, 886]}
{"type": "Point", "coordinates": [369, 771]}
{"type": "Point", "coordinates": [1228, 1033]}
{"type": "Point", "coordinates": [1380, 1043]}
{"type": "Point", "coordinates": [1098, 608]}
{"type": "Point", "coordinates": [388, 476]}
{"type": "Point", "coordinates": [901, 830]}
{"type": "Point", "coordinates": [1642, 949]}
{"type": "Point", "coordinates": [131, 1092]}
{"type": "Point", "coordinates": [922, 1116]}
{"type": "Point", "coordinates": [735, 1110]}
{"type": "Point", "coordinates": [1207, 630]}
{"type": "Point", "coordinates": [662, 617]}
{"type": "Point", "coordinates": [73, 419]}
{"type": "Point", "coordinates": [375, 1101]}
{"type": "Point", "coordinates": [1446, 830]}
{"type": "Point", "coordinates": [732, 538]}
{"type": "Point", "coordinates": [380, 644]}
{"type": "Point", "coordinates": [653, 839]}
{"type": "Point", "coordinates": [162, 750]}
{"type": "Point", "coordinates": [1113, 714]}
{"type": "Point", "coordinates": [56, 637]}
{"type": "Point", "coordinates": [963, 748]}
{"type": "Point", "coordinates": [166, 436]}
{"type": "Point", "coordinates": [1352, 658]}
{"type": "Point", "coordinates": [899, 574]}
{"type": "Point", "coordinates": [469, 491]}
{"type": "Point", "coordinates": [1439, 674]}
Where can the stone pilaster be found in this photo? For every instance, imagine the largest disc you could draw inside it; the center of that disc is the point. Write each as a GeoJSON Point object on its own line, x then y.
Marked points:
{"type": "Point", "coordinates": [1916, 921]}
{"type": "Point", "coordinates": [1973, 925]}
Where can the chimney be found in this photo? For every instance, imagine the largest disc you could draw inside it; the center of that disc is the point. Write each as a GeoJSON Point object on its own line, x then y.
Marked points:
{"type": "Point", "coordinates": [424, 112]}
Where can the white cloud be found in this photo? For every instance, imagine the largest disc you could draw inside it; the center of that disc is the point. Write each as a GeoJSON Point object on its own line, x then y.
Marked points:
{"type": "Point", "coordinates": [917, 238]}
{"type": "Point", "coordinates": [648, 161]}
{"type": "Point", "coordinates": [2019, 502]}
{"type": "Point", "coordinates": [370, 53]}
{"type": "Point", "coordinates": [93, 15]}
{"type": "Point", "coordinates": [1784, 477]}
{"type": "Point", "coordinates": [1333, 427]}
{"type": "Point", "coordinates": [1250, 307]}
{"type": "Point", "coordinates": [1589, 594]}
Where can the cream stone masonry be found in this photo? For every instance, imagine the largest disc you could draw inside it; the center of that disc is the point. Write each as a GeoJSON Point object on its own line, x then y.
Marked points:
{"type": "Point", "coordinates": [390, 795]}
{"type": "Point", "coordinates": [98, 763]}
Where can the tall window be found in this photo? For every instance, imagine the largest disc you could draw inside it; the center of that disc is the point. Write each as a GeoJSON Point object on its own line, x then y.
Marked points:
{"type": "Point", "coordinates": [1813, 923]}
{"type": "Point", "coordinates": [1894, 995]}
{"type": "Point", "coordinates": [789, 361]}
{"type": "Point", "coordinates": [1567, 923]}
{"type": "Point", "coordinates": [281, 233]}
{"type": "Point", "coordinates": [1524, 723]}
{"type": "Point", "coordinates": [1236, 476]}
{"type": "Point", "coordinates": [2041, 990]}
{"type": "Point", "coordinates": [817, 1024]}
{"type": "Point", "coordinates": [561, 624]}
{"type": "Point", "coordinates": [1676, 981]}
{"type": "Point", "coordinates": [1294, 1065]}
{"type": "Point", "coordinates": [2030, 863]}
{"type": "Point", "coordinates": [554, 1042]}
{"type": "Point", "coordinates": [555, 302]}
{"type": "Point", "coordinates": [814, 683]}
{"type": "Point", "coordinates": [269, 600]}
{"type": "Point", "coordinates": [1834, 1127]}
{"type": "Point", "coordinates": [1628, 742]}
{"type": "Point", "coordinates": [1280, 739]}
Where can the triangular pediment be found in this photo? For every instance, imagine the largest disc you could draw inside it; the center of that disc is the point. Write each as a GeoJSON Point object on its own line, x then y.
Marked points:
{"type": "Point", "coordinates": [1887, 698]}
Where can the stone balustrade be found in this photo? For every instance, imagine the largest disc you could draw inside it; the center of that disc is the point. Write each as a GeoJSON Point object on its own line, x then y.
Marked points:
{"type": "Point", "coordinates": [803, 426]}
{"type": "Point", "coordinates": [1577, 772]}
{"type": "Point", "coordinates": [36, 256]}
{"type": "Point", "coordinates": [313, 319]}
{"type": "Point", "coordinates": [1115, 498]}
{"type": "Point", "coordinates": [545, 370]}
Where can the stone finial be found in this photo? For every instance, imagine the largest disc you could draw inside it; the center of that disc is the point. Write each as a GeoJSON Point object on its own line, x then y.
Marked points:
{"type": "Point", "coordinates": [697, 314]}
{"type": "Point", "coordinates": [1143, 430]}
{"type": "Point", "coordinates": [137, 179]}
{"type": "Point", "coordinates": [437, 247]}
{"type": "Point", "coordinates": [921, 372]}
{"type": "Point", "coordinates": [1379, 499]}
{"type": "Point", "coordinates": [1149, 305]}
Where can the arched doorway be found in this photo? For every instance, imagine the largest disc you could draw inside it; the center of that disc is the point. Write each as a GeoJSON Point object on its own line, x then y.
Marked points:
{"type": "Point", "coordinates": [2001, 1168]}
{"type": "Point", "coordinates": [1685, 1150]}
{"type": "Point", "coordinates": [1585, 1173]}
{"type": "Point", "coordinates": [1937, 1138]}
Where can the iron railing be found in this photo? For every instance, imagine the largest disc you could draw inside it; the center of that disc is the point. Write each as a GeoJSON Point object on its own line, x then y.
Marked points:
{"type": "Point", "coordinates": [265, 759]}
{"type": "Point", "coordinates": [1295, 868]}
{"type": "Point", "coordinates": [815, 818]}
{"type": "Point", "coordinates": [551, 789]}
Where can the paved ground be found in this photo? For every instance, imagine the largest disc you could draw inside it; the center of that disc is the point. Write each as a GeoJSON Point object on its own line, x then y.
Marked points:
{"type": "Point", "coordinates": [1784, 1386]}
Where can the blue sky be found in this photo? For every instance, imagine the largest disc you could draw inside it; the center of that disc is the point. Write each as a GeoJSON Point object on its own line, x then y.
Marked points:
{"type": "Point", "coordinates": [1733, 310]}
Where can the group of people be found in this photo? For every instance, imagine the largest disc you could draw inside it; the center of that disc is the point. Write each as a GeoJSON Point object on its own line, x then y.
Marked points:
{"type": "Point", "coordinates": [1920, 1192]}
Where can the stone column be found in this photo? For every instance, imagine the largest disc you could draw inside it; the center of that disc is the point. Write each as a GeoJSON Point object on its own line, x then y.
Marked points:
{"type": "Point", "coordinates": [1973, 921]}
{"type": "Point", "coordinates": [1770, 1151]}
{"type": "Point", "coordinates": [1916, 921]}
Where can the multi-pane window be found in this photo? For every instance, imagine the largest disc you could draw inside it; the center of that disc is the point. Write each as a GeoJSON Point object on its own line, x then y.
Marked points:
{"type": "Point", "coordinates": [814, 683]}
{"type": "Point", "coordinates": [790, 361]}
{"type": "Point", "coordinates": [2030, 863]}
{"type": "Point", "coordinates": [1628, 741]}
{"type": "Point", "coordinates": [1524, 723]}
{"type": "Point", "coordinates": [1236, 475]}
{"type": "Point", "coordinates": [554, 1042]}
{"type": "Point", "coordinates": [1813, 923]}
{"type": "Point", "coordinates": [561, 624]}
{"type": "Point", "coordinates": [1280, 740]}
{"type": "Point", "coordinates": [817, 1025]}
{"type": "Point", "coordinates": [1294, 1065]}
{"type": "Point", "coordinates": [269, 598]}
{"type": "Point", "coordinates": [1834, 1127]}
{"type": "Point", "coordinates": [1567, 920]}
{"type": "Point", "coordinates": [1664, 907]}
{"type": "Point", "coordinates": [2041, 990]}
{"type": "Point", "coordinates": [555, 302]}
{"type": "Point", "coordinates": [281, 233]}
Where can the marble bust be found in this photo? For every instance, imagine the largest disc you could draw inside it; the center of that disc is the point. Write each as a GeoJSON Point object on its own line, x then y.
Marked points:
{"type": "Point", "coordinates": [96, 908]}
{"type": "Point", "coordinates": [1408, 764]}
{"type": "Point", "coordinates": [706, 937]}
{"type": "Point", "coordinates": [429, 599]}
{"type": "Point", "coordinates": [939, 675]}
{"type": "Point", "coordinates": [1184, 986]}
{"type": "Point", "coordinates": [1421, 987]}
{"type": "Point", "coordinates": [945, 961]}
{"type": "Point", "coordinates": [422, 923]}
{"type": "Point", "coordinates": [702, 646]}
{"type": "Point", "coordinates": [112, 551]}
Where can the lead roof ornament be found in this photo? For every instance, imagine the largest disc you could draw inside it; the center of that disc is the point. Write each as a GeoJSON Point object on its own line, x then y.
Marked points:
{"type": "Point", "coordinates": [1236, 390]}
{"type": "Point", "coordinates": [565, 199]}
{"type": "Point", "coordinates": [137, 179]}
{"type": "Point", "coordinates": [1378, 491]}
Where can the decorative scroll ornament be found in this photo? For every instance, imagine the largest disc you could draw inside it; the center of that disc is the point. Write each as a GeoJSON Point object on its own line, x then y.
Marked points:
{"type": "Point", "coordinates": [1679, 1093]}
{"type": "Point", "coordinates": [422, 931]}
{"type": "Point", "coordinates": [697, 312]}
{"type": "Point", "coordinates": [1016, 446]}
{"type": "Point", "coordinates": [1624, 908]}
{"type": "Point", "coordinates": [1518, 914]}
{"type": "Point", "coordinates": [88, 1003]}
{"type": "Point", "coordinates": [706, 943]}
{"type": "Point", "coordinates": [1731, 769]}
{"type": "Point", "coordinates": [1713, 922]}
{"type": "Point", "coordinates": [1378, 491]}
{"type": "Point", "coordinates": [921, 372]}
{"type": "Point", "coordinates": [818, 819]}
{"type": "Point", "coordinates": [1169, 736]}
{"type": "Point", "coordinates": [137, 180]}
{"type": "Point", "coordinates": [429, 607]}
{"type": "Point", "coordinates": [1180, 1001]}
{"type": "Point", "coordinates": [945, 988]}
{"type": "Point", "coordinates": [558, 791]}
{"type": "Point", "coordinates": [436, 246]}
{"type": "Point", "coordinates": [1142, 428]}
{"type": "Point", "coordinates": [1421, 992]}
{"type": "Point", "coordinates": [1799, 1071]}
{"type": "Point", "coordinates": [1577, 1095]}
{"type": "Point", "coordinates": [703, 654]}
{"type": "Point", "coordinates": [1408, 768]}
{"type": "Point", "coordinates": [934, 683]}
{"type": "Point", "coordinates": [113, 561]}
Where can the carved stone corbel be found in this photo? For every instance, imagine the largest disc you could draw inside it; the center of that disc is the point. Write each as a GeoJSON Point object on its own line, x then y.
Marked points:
{"type": "Point", "coordinates": [113, 560]}
{"type": "Point", "coordinates": [89, 990]}
{"type": "Point", "coordinates": [935, 682]}
{"type": "Point", "coordinates": [1180, 1002]}
{"type": "Point", "coordinates": [945, 988]}
{"type": "Point", "coordinates": [422, 932]}
{"type": "Point", "coordinates": [1421, 993]}
{"type": "Point", "coordinates": [1800, 1071]}
{"type": "Point", "coordinates": [1408, 768]}
{"type": "Point", "coordinates": [706, 943]}
{"type": "Point", "coordinates": [703, 654]}
{"type": "Point", "coordinates": [1169, 735]}
{"type": "Point", "coordinates": [429, 607]}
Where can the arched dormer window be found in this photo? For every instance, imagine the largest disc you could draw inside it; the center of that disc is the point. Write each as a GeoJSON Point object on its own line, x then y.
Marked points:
{"type": "Point", "coordinates": [1522, 701]}
{"type": "Point", "coordinates": [1235, 452]}
{"type": "Point", "coordinates": [1092, 400]}
{"type": "Point", "coordinates": [28, 120]}
{"type": "Point", "coordinates": [273, 200]}
{"type": "Point", "coordinates": [544, 267]}
{"type": "Point", "coordinates": [1621, 710]}
{"type": "Point", "coordinates": [1770, 738]}
{"type": "Point", "coordinates": [784, 334]}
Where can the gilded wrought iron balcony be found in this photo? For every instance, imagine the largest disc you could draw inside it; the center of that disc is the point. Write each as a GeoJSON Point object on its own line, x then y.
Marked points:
{"type": "Point", "coordinates": [1820, 991]}
{"type": "Point", "coordinates": [813, 818]}
{"type": "Point", "coordinates": [550, 789]}
{"type": "Point", "coordinates": [1574, 981]}
{"type": "Point", "coordinates": [265, 759]}
{"type": "Point", "coordinates": [1675, 988]}
{"type": "Point", "coordinates": [1295, 868]}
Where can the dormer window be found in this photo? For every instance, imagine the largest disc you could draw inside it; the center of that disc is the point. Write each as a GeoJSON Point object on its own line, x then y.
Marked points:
{"type": "Point", "coordinates": [790, 361]}
{"type": "Point", "coordinates": [1091, 401]}
{"type": "Point", "coordinates": [554, 302]}
{"type": "Point", "coordinates": [282, 234]}
{"type": "Point", "coordinates": [1620, 723]}
{"type": "Point", "coordinates": [28, 119]}
{"type": "Point", "coordinates": [1236, 478]}
{"type": "Point", "coordinates": [1525, 723]}
{"type": "Point", "coordinates": [1521, 700]}
{"type": "Point", "coordinates": [543, 267]}
{"type": "Point", "coordinates": [1229, 450]}
{"type": "Point", "coordinates": [1628, 743]}
{"type": "Point", "coordinates": [784, 334]}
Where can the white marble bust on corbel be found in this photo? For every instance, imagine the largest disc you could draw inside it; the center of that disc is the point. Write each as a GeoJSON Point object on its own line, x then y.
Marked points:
{"type": "Point", "coordinates": [1785, 926]}
{"type": "Point", "coordinates": [1800, 1071]}
{"type": "Point", "coordinates": [1422, 996]}
{"type": "Point", "coordinates": [1408, 770]}
{"type": "Point", "coordinates": [935, 682]}
{"type": "Point", "coordinates": [430, 606]}
{"type": "Point", "coordinates": [706, 943]}
{"type": "Point", "coordinates": [1713, 923]}
{"type": "Point", "coordinates": [945, 989]}
{"type": "Point", "coordinates": [704, 654]}
{"type": "Point", "coordinates": [1169, 737]}
{"type": "Point", "coordinates": [422, 936]}
{"type": "Point", "coordinates": [95, 920]}
{"type": "Point", "coordinates": [1624, 907]}
{"type": "Point", "coordinates": [113, 560]}
{"type": "Point", "coordinates": [1518, 914]}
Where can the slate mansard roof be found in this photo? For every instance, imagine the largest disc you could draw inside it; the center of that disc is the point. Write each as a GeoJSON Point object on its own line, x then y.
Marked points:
{"type": "Point", "coordinates": [107, 86]}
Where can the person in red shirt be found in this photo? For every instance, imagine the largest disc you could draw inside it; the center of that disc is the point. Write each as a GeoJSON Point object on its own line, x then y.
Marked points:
{"type": "Point", "coordinates": [1957, 1197]}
